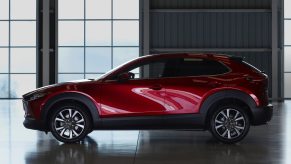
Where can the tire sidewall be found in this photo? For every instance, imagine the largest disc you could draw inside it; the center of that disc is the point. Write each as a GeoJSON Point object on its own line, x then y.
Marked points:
{"type": "Point", "coordinates": [237, 139]}
{"type": "Point", "coordinates": [82, 111]}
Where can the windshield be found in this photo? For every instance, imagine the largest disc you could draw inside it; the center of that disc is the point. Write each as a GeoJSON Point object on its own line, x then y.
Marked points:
{"type": "Point", "coordinates": [114, 69]}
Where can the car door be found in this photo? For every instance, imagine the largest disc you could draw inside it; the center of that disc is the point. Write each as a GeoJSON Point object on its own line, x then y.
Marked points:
{"type": "Point", "coordinates": [139, 96]}
{"type": "Point", "coordinates": [185, 87]}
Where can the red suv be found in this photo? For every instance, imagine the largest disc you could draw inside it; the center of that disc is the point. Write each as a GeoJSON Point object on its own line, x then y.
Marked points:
{"type": "Point", "coordinates": [222, 94]}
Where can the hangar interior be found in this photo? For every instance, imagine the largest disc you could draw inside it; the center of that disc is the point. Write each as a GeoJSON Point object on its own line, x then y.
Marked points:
{"type": "Point", "coordinates": [45, 42]}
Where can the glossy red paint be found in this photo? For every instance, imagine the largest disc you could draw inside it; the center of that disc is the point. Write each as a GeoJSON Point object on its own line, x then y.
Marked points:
{"type": "Point", "coordinates": [161, 96]}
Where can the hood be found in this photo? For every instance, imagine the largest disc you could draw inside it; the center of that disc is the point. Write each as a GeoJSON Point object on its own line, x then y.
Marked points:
{"type": "Point", "coordinates": [42, 89]}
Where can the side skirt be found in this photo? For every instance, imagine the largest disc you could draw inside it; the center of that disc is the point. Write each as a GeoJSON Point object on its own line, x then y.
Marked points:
{"type": "Point", "coordinates": [182, 121]}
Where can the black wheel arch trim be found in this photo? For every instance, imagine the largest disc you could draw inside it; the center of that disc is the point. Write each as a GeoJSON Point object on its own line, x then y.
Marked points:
{"type": "Point", "coordinates": [229, 94]}
{"type": "Point", "coordinates": [70, 96]}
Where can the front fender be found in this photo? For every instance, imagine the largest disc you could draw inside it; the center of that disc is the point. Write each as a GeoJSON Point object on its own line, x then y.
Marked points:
{"type": "Point", "coordinates": [88, 102]}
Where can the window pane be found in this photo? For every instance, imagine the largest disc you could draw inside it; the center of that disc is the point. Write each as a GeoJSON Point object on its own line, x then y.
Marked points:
{"type": "Point", "coordinates": [4, 87]}
{"type": "Point", "coordinates": [71, 33]}
{"type": "Point", "coordinates": [126, 9]}
{"type": "Point", "coordinates": [23, 60]}
{"type": "Point", "coordinates": [126, 33]}
{"type": "Point", "coordinates": [98, 60]}
{"type": "Point", "coordinates": [287, 59]}
{"type": "Point", "coordinates": [23, 9]}
{"type": "Point", "coordinates": [4, 9]}
{"type": "Point", "coordinates": [287, 32]}
{"type": "Point", "coordinates": [98, 33]}
{"type": "Point", "coordinates": [4, 60]}
{"type": "Point", "coordinates": [287, 79]}
{"type": "Point", "coordinates": [195, 67]}
{"type": "Point", "coordinates": [287, 11]}
{"type": "Point", "coordinates": [93, 76]}
{"type": "Point", "coordinates": [71, 60]}
{"type": "Point", "coordinates": [98, 9]}
{"type": "Point", "coordinates": [23, 33]}
{"type": "Point", "coordinates": [21, 84]}
{"type": "Point", "coordinates": [71, 9]}
{"type": "Point", "coordinates": [70, 77]}
{"type": "Point", "coordinates": [122, 55]}
{"type": "Point", "coordinates": [4, 32]}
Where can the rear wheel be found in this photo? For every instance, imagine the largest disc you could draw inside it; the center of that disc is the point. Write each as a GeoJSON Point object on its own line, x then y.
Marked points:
{"type": "Point", "coordinates": [229, 124]}
{"type": "Point", "coordinates": [70, 123]}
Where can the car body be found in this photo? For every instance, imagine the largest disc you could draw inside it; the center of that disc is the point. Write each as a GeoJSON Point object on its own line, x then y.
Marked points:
{"type": "Point", "coordinates": [219, 93]}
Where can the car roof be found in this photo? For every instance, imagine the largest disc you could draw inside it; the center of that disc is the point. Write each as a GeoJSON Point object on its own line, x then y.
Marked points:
{"type": "Point", "coordinates": [189, 55]}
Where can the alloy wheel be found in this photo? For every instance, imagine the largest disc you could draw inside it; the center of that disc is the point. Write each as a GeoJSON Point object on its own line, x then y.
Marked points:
{"type": "Point", "coordinates": [230, 123]}
{"type": "Point", "coordinates": [69, 123]}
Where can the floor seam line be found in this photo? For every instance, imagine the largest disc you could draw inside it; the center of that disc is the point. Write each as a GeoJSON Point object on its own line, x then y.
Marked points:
{"type": "Point", "coordinates": [136, 147]}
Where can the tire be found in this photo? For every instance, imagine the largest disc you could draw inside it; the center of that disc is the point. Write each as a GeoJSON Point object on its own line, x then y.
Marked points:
{"type": "Point", "coordinates": [70, 123]}
{"type": "Point", "coordinates": [229, 124]}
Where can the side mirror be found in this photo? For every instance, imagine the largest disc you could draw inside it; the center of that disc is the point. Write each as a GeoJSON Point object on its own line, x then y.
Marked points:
{"type": "Point", "coordinates": [125, 76]}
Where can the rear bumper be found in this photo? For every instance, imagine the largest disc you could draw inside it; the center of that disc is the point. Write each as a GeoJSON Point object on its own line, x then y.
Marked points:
{"type": "Point", "coordinates": [262, 115]}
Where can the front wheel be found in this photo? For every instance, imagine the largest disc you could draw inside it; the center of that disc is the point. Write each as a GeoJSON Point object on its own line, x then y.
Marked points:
{"type": "Point", "coordinates": [229, 124]}
{"type": "Point", "coordinates": [70, 123]}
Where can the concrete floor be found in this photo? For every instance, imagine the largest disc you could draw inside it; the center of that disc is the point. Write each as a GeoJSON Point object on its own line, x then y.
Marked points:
{"type": "Point", "coordinates": [265, 144]}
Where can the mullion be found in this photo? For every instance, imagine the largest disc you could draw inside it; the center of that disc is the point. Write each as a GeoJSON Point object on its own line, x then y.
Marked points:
{"type": "Point", "coordinates": [84, 39]}
{"type": "Point", "coordinates": [77, 73]}
{"type": "Point", "coordinates": [99, 19]}
{"type": "Point", "coordinates": [99, 46]}
{"type": "Point", "coordinates": [9, 49]}
{"type": "Point", "coordinates": [17, 73]}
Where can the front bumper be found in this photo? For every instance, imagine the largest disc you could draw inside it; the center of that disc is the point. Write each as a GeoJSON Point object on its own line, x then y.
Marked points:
{"type": "Point", "coordinates": [31, 123]}
{"type": "Point", "coordinates": [262, 115]}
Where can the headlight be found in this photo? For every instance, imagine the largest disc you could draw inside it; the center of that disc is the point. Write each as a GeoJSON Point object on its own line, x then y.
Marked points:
{"type": "Point", "coordinates": [37, 96]}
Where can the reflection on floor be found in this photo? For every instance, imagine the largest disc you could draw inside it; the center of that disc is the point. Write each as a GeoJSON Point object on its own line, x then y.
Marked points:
{"type": "Point", "coordinates": [265, 144]}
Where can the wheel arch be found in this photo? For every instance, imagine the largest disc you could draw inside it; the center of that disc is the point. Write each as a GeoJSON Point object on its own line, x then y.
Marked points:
{"type": "Point", "coordinates": [67, 97]}
{"type": "Point", "coordinates": [229, 96]}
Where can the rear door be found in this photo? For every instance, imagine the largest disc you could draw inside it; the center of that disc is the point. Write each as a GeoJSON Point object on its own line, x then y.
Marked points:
{"type": "Point", "coordinates": [187, 81]}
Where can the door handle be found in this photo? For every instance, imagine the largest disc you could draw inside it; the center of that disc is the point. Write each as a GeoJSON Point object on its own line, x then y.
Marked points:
{"type": "Point", "coordinates": [156, 87]}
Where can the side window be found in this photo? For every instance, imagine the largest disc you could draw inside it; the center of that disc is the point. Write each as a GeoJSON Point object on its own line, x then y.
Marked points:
{"type": "Point", "coordinates": [198, 67]}
{"type": "Point", "coordinates": [193, 67]}
{"type": "Point", "coordinates": [149, 70]}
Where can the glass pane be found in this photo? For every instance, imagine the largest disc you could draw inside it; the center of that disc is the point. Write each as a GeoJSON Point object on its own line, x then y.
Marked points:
{"type": "Point", "coordinates": [287, 59]}
{"type": "Point", "coordinates": [122, 55]}
{"type": "Point", "coordinates": [98, 9]}
{"type": "Point", "coordinates": [98, 33]}
{"type": "Point", "coordinates": [23, 33]}
{"type": "Point", "coordinates": [70, 77]}
{"type": "Point", "coordinates": [4, 87]}
{"type": "Point", "coordinates": [23, 60]}
{"type": "Point", "coordinates": [71, 33]}
{"type": "Point", "coordinates": [93, 76]}
{"type": "Point", "coordinates": [98, 60]}
{"type": "Point", "coordinates": [126, 9]}
{"type": "Point", "coordinates": [287, 32]}
{"type": "Point", "coordinates": [287, 89]}
{"type": "Point", "coordinates": [4, 9]}
{"type": "Point", "coordinates": [4, 32]}
{"type": "Point", "coordinates": [21, 84]}
{"type": "Point", "coordinates": [126, 33]}
{"type": "Point", "coordinates": [23, 9]}
{"type": "Point", "coordinates": [71, 9]}
{"type": "Point", "coordinates": [4, 60]}
{"type": "Point", "coordinates": [71, 60]}
{"type": "Point", "coordinates": [287, 11]}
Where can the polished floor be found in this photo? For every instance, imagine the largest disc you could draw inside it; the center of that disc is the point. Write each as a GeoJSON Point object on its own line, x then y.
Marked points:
{"type": "Point", "coordinates": [264, 144]}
